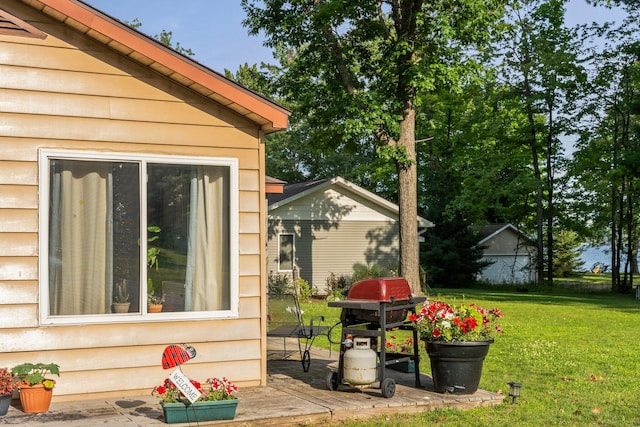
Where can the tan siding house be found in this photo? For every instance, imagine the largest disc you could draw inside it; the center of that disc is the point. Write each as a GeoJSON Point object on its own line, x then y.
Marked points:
{"type": "Point", "coordinates": [330, 226]}
{"type": "Point", "coordinates": [104, 133]}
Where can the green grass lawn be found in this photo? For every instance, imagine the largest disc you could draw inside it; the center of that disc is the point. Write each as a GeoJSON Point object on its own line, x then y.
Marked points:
{"type": "Point", "coordinates": [576, 354]}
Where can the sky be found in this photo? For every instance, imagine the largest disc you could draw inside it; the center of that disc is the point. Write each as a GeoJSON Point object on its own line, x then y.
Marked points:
{"type": "Point", "coordinates": [213, 28]}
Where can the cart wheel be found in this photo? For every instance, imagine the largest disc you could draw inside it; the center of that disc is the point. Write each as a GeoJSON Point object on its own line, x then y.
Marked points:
{"type": "Point", "coordinates": [332, 381]}
{"type": "Point", "coordinates": [306, 360]}
{"type": "Point", "coordinates": [388, 387]}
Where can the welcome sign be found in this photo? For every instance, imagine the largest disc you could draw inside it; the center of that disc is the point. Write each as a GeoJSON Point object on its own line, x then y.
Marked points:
{"type": "Point", "coordinates": [184, 385]}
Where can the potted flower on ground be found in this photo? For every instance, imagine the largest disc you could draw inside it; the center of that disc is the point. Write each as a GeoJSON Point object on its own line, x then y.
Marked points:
{"type": "Point", "coordinates": [457, 340]}
{"type": "Point", "coordinates": [7, 385]}
{"type": "Point", "coordinates": [218, 401]}
{"type": "Point", "coordinates": [33, 385]}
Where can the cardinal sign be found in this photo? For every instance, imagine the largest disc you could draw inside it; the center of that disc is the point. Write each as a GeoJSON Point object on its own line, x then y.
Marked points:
{"type": "Point", "coordinates": [184, 385]}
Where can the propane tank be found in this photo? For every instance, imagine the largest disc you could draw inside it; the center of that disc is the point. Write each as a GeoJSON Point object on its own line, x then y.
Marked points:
{"type": "Point", "coordinates": [360, 363]}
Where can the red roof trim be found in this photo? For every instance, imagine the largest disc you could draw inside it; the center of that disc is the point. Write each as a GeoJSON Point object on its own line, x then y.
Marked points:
{"type": "Point", "coordinates": [86, 15]}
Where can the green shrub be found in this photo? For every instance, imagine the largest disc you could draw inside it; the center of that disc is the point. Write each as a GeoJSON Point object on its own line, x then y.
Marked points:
{"type": "Point", "coordinates": [371, 271]}
{"type": "Point", "coordinates": [304, 289]}
{"type": "Point", "coordinates": [278, 283]}
{"type": "Point", "coordinates": [337, 285]}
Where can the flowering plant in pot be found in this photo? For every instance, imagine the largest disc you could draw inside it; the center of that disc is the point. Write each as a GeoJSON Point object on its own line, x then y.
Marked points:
{"type": "Point", "coordinates": [217, 401]}
{"type": "Point", "coordinates": [7, 386]}
{"type": "Point", "coordinates": [457, 341]}
{"type": "Point", "coordinates": [213, 389]}
{"type": "Point", "coordinates": [34, 386]}
{"type": "Point", "coordinates": [439, 321]}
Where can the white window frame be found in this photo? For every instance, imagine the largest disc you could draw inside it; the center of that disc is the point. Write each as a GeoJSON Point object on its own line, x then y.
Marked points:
{"type": "Point", "coordinates": [293, 254]}
{"type": "Point", "coordinates": [142, 159]}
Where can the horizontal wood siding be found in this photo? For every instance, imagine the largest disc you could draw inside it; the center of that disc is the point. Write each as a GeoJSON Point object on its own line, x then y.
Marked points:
{"type": "Point", "coordinates": [322, 247]}
{"type": "Point", "coordinates": [69, 92]}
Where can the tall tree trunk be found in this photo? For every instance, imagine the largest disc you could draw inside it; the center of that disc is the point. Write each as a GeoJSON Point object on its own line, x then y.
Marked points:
{"type": "Point", "coordinates": [550, 206]}
{"type": "Point", "coordinates": [539, 214]}
{"type": "Point", "coordinates": [614, 226]}
{"type": "Point", "coordinates": [615, 270]}
{"type": "Point", "coordinates": [538, 178]}
{"type": "Point", "coordinates": [408, 203]}
{"type": "Point", "coordinates": [628, 284]}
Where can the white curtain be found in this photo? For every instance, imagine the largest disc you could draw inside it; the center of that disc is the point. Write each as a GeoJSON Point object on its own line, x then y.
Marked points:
{"type": "Point", "coordinates": [209, 258]}
{"type": "Point", "coordinates": [81, 238]}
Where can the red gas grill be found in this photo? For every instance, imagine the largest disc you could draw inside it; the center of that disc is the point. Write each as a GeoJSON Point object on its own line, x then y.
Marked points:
{"type": "Point", "coordinates": [394, 291]}
{"type": "Point", "coordinates": [372, 308]}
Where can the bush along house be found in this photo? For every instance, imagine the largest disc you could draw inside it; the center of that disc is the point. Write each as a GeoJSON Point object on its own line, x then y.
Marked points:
{"type": "Point", "coordinates": [131, 177]}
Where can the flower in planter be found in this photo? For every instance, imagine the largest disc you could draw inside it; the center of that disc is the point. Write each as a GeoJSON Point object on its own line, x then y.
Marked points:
{"type": "Point", "coordinates": [212, 390]}
{"type": "Point", "coordinates": [439, 321]}
{"type": "Point", "coordinates": [7, 383]}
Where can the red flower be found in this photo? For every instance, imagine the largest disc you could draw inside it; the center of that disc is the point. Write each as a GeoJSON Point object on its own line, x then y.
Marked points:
{"type": "Point", "coordinates": [161, 389]}
{"type": "Point", "coordinates": [215, 384]}
{"type": "Point", "coordinates": [471, 322]}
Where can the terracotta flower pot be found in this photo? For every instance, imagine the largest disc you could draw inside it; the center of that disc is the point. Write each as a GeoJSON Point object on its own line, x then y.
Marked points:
{"type": "Point", "coordinates": [154, 308]}
{"type": "Point", "coordinates": [35, 398]}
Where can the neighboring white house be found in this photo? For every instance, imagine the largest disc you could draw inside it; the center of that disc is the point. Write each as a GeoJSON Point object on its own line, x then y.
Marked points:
{"type": "Point", "coordinates": [330, 226]}
{"type": "Point", "coordinates": [510, 253]}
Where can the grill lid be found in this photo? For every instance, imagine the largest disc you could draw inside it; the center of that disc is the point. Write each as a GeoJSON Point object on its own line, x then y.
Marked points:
{"type": "Point", "coordinates": [385, 289]}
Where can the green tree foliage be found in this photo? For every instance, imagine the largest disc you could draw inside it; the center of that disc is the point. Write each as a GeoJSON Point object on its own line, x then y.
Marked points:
{"type": "Point", "coordinates": [358, 69]}
{"type": "Point", "coordinates": [452, 192]}
{"type": "Point", "coordinates": [605, 165]}
{"type": "Point", "coordinates": [567, 254]}
{"type": "Point", "coordinates": [541, 65]}
{"type": "Point", "coordinates": [449, 254]}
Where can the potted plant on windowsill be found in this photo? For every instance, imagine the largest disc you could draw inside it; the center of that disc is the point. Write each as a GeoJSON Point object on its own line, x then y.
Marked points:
{"type": "Point", "coordinates": [121, 301]}
{"type": "Point", "coordinates": [7, 386]}
{"type": "Point", "coordinates": [218, 401]}
{"type": "Point", "coordinates": [154, 303]}
{"type": "Point", "coordinates": [457, 341]}
{"type": "Point", "coordinates": [34, 387]}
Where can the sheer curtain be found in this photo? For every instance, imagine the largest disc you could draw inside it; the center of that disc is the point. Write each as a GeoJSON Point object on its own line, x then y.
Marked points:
{"type": "Point", "coordinates": [81, 238]}
{"type": "Point", "coordinates": [208, 256]}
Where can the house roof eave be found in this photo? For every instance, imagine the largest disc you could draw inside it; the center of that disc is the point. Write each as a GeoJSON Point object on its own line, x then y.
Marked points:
{"type": "Point", "coordinates": [500, 230]}
{"type": "Point", "coordinates": [341, 182]}
{"type": "Point", "coordinates": [152, 54]}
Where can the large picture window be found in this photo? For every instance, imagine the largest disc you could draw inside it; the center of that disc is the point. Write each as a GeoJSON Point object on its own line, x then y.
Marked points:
{"type": "Point", "coordinates": [132, 230]}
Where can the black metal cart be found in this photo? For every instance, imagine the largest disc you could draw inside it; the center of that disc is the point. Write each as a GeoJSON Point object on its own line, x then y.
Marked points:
{"type": "Point", "coordinates": [371, 318]}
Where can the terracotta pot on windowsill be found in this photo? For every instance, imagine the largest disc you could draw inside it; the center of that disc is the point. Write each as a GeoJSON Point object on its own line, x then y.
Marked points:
{"type": "Point", "coordinates": [154, 308]}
